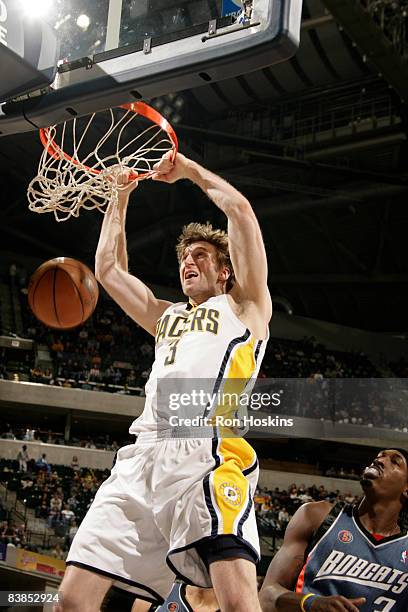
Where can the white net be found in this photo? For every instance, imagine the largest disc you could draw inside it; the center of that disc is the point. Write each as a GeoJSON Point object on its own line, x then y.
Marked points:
{"type": "Point", "coordinates": [83, 159]}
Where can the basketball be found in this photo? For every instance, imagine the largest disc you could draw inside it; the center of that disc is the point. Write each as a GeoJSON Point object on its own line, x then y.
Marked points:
{"type": "Point", "coordinates": [63, 293]}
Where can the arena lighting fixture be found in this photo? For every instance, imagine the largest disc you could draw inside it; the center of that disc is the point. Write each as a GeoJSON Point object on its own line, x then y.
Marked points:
{"type": "Point", "coordinates": [83, 22]}
{"type": "Point", "coordinates": [170, 106]}
{"type": "Point", "coordinates": [36, 8]}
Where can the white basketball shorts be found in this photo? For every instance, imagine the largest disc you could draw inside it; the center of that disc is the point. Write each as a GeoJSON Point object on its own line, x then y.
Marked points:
{"type": "Point", "coordinates": [161, 499]}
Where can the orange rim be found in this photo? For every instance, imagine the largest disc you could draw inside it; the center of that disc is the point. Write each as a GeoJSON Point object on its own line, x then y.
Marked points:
{"type": "Point", "coordinates": [139, 108]}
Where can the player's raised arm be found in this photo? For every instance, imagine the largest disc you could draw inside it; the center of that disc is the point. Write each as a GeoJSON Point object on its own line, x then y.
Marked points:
{"type": "Point", "coordinates": [246, 245]}
{"type": "Point", "coordinates": [277, 593]}
{"type": "Point", "coordinates": [111, 267]}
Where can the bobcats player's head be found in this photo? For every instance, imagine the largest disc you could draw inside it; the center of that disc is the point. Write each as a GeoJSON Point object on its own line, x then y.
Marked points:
{"type": "Point", "coordinates": [387, 477]}
{"type": "Point", "coordinates": [204, 260]}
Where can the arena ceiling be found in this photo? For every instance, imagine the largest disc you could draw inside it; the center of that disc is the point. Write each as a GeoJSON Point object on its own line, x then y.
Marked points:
{"type": "Point", "coordinates": [318, 145]}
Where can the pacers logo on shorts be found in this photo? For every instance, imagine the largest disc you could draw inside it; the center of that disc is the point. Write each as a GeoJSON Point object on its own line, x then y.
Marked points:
{"type": "Point", "coordinates": [231, 493]}
{"type": "Point", "coordinates": [173, 607]}
{"type": "Point", "coordinates": [345, 536]}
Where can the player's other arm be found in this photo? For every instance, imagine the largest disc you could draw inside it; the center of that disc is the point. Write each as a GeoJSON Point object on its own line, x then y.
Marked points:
{"type": "Point", "coordinates": [277, 593]}
{"type": "Point", "coordinates": [111, 268]}
{"type": "Point", "coordinates": [246, 245]}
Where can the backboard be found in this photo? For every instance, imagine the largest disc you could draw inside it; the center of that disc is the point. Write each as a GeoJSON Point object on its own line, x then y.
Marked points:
{"type": "Point", "coordinates": [115, 51]}
{"type": "Point", "coordinates": [29, 52]}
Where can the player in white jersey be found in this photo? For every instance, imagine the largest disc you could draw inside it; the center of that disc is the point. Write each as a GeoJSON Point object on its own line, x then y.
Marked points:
{"type": "Point", "coordinates": [179, 503]}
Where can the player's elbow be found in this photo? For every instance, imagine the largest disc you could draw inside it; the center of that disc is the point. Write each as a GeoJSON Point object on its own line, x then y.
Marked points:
{"type": "Point", "coordinates": [241, 209]}
{"type": "Point", "coordinates": [267, 599]}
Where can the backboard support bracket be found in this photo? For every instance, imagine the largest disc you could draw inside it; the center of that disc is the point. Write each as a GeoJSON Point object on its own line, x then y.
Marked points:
{"type": "Point", "coordinates": [83, 62]}
{"type": "Point", "coordinates": [212, 27]}
{"type": "Point", "coordinates": [239, 28]}
{"type": "Point", "coordinates": [147, 45]}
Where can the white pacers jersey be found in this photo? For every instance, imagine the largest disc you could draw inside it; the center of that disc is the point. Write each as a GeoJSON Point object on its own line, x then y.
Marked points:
{"type": "Point", "coordinates": [198, 342]}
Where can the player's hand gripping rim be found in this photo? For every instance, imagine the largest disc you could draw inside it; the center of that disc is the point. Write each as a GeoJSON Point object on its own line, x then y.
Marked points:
{"type": "Point", "coordinates": [125, 179]}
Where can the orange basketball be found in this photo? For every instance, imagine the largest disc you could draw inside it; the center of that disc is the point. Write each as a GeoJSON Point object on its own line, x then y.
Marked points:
{"type": "Point", "coordinates": [63, 293]}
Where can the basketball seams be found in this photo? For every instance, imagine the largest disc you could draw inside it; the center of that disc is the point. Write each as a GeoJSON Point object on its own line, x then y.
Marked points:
{"type": "Point", "coordinates": [76, 289]}
{"type": "Point", "coordinates": [85, 269]}
{"type": "Point", "coordinates": [67, 297]}
{"type": "Point", "coordinates": [36, 284]}
{"type": "Point", "coordinates": [54, 282]}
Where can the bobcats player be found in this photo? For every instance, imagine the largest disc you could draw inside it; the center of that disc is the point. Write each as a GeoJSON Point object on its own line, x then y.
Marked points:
{"type": "Point", "coordinates": [346, 558]}
{"type": "Point", "coordinates": [182, 506]}
{"type": "Point", "coordinates": [183, 598]}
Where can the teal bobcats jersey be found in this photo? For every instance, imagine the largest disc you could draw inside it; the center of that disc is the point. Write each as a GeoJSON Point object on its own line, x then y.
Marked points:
{"type": "Point", "coordinates": [347, 560]}
{"type": "Point", "coordinates": [176, 601]}
{"type": "Point", "coordinates": [205, 342]}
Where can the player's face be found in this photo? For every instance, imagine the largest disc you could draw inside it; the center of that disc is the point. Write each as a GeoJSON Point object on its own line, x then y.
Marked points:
{"type": "Point", "coordinates": [200, 274]}
{"type": "Point", "coordinates": [388, 472]}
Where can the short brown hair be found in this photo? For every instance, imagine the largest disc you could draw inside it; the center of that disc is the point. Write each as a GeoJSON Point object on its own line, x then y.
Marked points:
{"type": "Point", "coordinates": [197, 232]}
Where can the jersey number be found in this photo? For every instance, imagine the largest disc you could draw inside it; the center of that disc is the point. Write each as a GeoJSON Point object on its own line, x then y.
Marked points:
{"type": "Point", "coordinates": [389, 603]}
{"type": "Point", "coordinates": [172, 352]}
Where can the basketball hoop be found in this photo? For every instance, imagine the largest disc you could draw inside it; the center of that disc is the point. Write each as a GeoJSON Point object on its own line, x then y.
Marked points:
{"type": "Point", "coordinates": [80, 169]}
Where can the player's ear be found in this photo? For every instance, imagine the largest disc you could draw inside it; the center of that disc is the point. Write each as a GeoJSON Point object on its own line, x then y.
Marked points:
{"type": "Point", "coordinates": [224, 274]}
{"type": "Point", "coordinates": [405, 494]}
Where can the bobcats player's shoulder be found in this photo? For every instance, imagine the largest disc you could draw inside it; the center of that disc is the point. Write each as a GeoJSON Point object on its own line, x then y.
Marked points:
{"type": "Point", "coordinates": [309, 517]}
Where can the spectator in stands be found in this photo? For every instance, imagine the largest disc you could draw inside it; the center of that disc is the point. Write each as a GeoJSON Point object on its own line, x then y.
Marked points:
{"type": "Point", "coordinates": [95, 374]}
{"type": "Point", "coordinates": [304, 497]}
{"type": "Point", "coordinates": [58, 552]}
{"type": "Point", "coordinates": [54, 509]}
{"type": "Point", "coordinates": [42, 463]}
{"type": "Point", "coordinates": [57, 346]}
{"type": "Point", "coordinates": [8, 534]}
{"type": "Point", "coordinates": [322, 493]}
{"type": "Point", "coordinates": [67, 515]}
{"type": "Point", "coordinates": [265, 506]}
{"type": "Point", "coordinates": [283, 518]}
{"type": "Point", "coordinates": [21, 535]}
{"type": "Point", "coordinates": [8, 433]}
{"type": "Point", "coordinates": [50, 438]}
{"type": "Point", "coordinates": [23, 458]}
{"type": "Point", "coordinates": [71, 532]}
{"type": "Point", "coordinates": [29, 434]}
{"type": "Point", "coordinates": [26, 483]}
{"type": "Point", "coordinates": [75, 464]}
{"type": "Point", "coordinates": [89, 443]}
{"type": "Point", "coordinates": [131, 379]}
